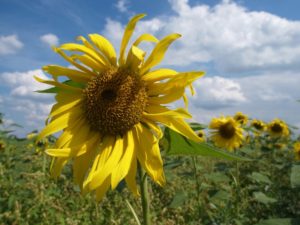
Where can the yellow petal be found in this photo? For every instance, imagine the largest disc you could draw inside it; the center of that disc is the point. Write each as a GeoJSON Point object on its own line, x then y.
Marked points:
{"type": "Point", "coordinates": [145, 37]}
{"type": "Point", "coordinates": [63, 107]}
{"type": "Point", "coordinates": [60, 123]}
{"type": "Point", "coordinates": [159, 74]}
{"type": "Point", "coordinates": [176, 124]}
{"type": "Point", "coordinates": [60, 85]}
{"type": "Point", "coordinates": [131, 177]}
{"type": "Point", "coordinates": [135, 58]}
{"type": "Point", "coordinates": [124, 164]}
{"type": "Point", "coordinates": [175, 94]}
{"type": "Point", "coordinates": [164, 111]}
{"type": "Point", "coordinates": [154, 127]}
{"type": "Point", "coordinates": [75, 75]}
{"type": "Point", "coordinates": [178, 81]}
{"type": "Point", "coordinates": [113, 160]}
{"type": "Point", "coordinates": [127, 35]}
{"type": "Point", "coordinates": [85, 50]}
{"type": "Point", "coordinates": [72, 61]}
{"type": "Point", "coordinates": [81, 165]}
{"type": "Point", "coordinates": [100, 191]}
{"type": "Point", "coordinates": [105, 47]}
{"type": "Point", "coordinates": [56, 166]}
{"type": "Point", "coordinates": [158, 52]}
{"type": "Point", "coordinates": [89, 62]}
{"type": "Point", "coordinates": [148, 153]}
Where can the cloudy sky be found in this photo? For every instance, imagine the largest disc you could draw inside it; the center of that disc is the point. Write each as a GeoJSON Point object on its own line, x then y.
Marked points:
{"type": "Point", "coordinates": [250, 50]}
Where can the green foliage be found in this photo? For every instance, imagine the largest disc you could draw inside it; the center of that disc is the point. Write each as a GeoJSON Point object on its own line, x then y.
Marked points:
{"type": "Point", "coordinates": [179, 145]}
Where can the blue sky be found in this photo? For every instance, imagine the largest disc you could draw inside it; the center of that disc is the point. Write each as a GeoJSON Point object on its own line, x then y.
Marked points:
{"type": "Point", "coordinates": [250, 51]}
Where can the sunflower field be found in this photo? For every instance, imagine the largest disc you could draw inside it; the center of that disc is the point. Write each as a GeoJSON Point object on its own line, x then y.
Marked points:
{"type": "Point", "coordinates": [255, 183]}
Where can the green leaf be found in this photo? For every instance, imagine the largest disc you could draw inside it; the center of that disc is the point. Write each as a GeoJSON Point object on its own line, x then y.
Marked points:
{"type": "Point", "coordinates": [260, 178]}
{"type": "Point", "coordinates": [179, 145]}
{"type": "Point", "coordinates": [262, 198]}
{"type": "Point", "coordinates": [295, 176]}
{"type": "Point", "coordinates": [217, 177]}
{"type": "Point", "coordinates": [178, 199]}
{"type": "Point", "coordinates": [280, 221]}
{"type": "Point", "coordinates": [197, 126]}
{"type": "Point", "coordinates": [220, 196]}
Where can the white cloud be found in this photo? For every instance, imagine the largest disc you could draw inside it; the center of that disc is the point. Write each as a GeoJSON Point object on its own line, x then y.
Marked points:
{"type": "Point", "coordinates": [22, 84]}
{"type": "Point", "coordinates": [9, 44]}
{"type": "Point", "coordinates": [50, 39]}
{"type": "Point", "coordinates": [122, 5]}
{"type": "Point", "coordinates": [21, 103]}
{"type": "Point", "coordinates": [217, 92]}
{"type": "Point", "coordinates": [227, 34]}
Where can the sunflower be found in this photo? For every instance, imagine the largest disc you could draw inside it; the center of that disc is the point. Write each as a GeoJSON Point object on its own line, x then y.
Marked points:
{"type": "Point", "coordinates": [109, 111]}
{"type": "Point", "coordinates": [259, 125]}
{"type": "Point", "coordinates": [297, 150]}
{"type": "Point", "coordinates": [201, 135]}
{"type": "Point", "coordinates": [278, 128]}
{"type": "Point", "coordinates": [226, 133]}
{"type": "Point", "coordinates": [241, 118]}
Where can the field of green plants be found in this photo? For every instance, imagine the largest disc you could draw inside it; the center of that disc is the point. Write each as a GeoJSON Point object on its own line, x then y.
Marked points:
{"type": "Point", "coordinates": [261, 187]}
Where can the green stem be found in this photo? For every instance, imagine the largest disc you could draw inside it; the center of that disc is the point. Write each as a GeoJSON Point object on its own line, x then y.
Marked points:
{"type": "Point", "coordinates": [144, 196]}
{"type": "Point", "coordinates": [198, 185]}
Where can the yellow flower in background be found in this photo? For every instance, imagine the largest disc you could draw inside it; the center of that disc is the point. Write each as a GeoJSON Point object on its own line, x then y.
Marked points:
{"type": "Point", "coordinates": [201, 135]}
{"type": "Point", "coordinates": [226, 133]}
{"type": "Point", "coordinates": [241, 118]}
{"type": "Point", "coordinates": [278, 128]}
{"type": "Point", "coordinates": [259, 125]}
{"type": "Point", "coordinates": [109, 115]}
{"type": "Point", "coordinates": [297, 150]}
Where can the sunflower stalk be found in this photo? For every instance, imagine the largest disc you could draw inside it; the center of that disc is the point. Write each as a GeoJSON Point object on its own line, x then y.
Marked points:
{"type": "Point", "coordinates": [144, 196]}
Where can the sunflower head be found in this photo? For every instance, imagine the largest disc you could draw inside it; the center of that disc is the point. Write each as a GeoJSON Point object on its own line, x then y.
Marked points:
{"type": "Point", "coordinates": [258, 125]}
{"type": "Point", "coordinates": [109, 108]}
{"type": "Point", "coordinates": [226, 133]}
{"type": "Point", "coordinates": [297, 150]}
{"type": "Point", "coordinates": [241, 118]}
{"type": "Point", "coordinates": [278, 128]}
{"type": "Point", "coordinates": [201, 135]}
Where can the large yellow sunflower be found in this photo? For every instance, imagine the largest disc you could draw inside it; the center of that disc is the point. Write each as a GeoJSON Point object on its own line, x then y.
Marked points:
{"type": "Point", "coordinates": [278, 128]}
{"type": "Point", "coordinates": [108, 112]}
{"type": "Point", "coordinates": [226, 133]}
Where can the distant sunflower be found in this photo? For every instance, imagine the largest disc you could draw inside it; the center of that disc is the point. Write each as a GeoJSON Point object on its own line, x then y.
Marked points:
{"type": "Point", "coordinates": [278, 128]}
{"type": "Point", "coordinates": [108, 111]}
{"type": "Point", "coordinates": [226, 133]}
{"type": "Point", "coordinates": [201, 135]}
{"type": "Point", "coordinates": [259, 125]}
{"type": "Point", "coordinates": [241, 118]}
{"type": "Point", "coordinates": [297, 150]}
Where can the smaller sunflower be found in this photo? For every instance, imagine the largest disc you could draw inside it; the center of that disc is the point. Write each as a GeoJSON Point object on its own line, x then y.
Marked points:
{"type": "Point", "coordinates": [241, 118]}
{"type": "Point", "coordinates": [278, 128]}
{"type": "Point", "coordinates": [297, 150]}
{"type": "Point", "coordinates": [226, 133]}
{"type": "Point", "coordinates": [201, 135]}
{"type": "Point", "coordinates": [259, 125]}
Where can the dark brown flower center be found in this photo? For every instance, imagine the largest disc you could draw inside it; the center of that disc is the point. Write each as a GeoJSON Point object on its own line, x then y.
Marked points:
{"type": "Point", "coordinates": [114, 101]}
{"type": "Point", "coordinates": [277, 128]}
{"type": "Point", "coordinates": [227, 130]}
{"type": "Point", "coordinates": [258, 126]}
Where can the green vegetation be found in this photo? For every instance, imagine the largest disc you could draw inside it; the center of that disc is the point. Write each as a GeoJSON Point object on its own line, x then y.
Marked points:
{"type": "Point", "coordinates": [199, 190]}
